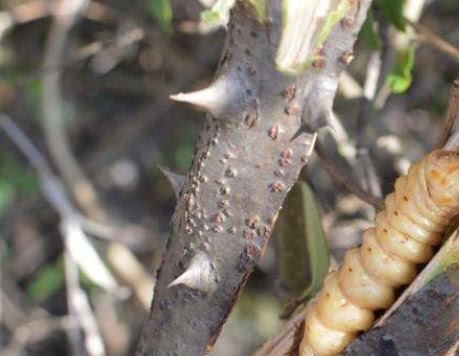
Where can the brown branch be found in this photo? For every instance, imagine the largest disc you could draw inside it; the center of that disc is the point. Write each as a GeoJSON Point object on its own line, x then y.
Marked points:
{"type": "Point", "coordinates": [244, 164]}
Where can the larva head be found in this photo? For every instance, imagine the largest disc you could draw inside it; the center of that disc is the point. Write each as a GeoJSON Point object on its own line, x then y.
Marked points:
{"type": "Point", "coordinates": [442, 178]}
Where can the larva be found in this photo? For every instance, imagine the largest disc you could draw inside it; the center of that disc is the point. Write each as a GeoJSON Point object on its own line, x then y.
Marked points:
{"type": "Point", "coordinates": [413, 222]}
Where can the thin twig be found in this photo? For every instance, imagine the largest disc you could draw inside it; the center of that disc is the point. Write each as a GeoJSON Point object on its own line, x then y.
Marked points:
{"type": "Point", "coordinates": [127, 233]}
{"type": "Point", "coordinates": [54, 192]}
{"type": "Point", "coordinates": [343, 179]}
{"type": "Point", "coordinates": [450, 122]}
{"type": "Point", "coordinates": [82, 250]}
{"type": "Point", "coordinates": [66, 14]}
{"type": "Point", "coordinates": [72, 283]}
{"type": "Point", "coordinates": [363, 164]}
{"type": "Point", "coordinates": [427, 36]}
{"type": "Point", "coordinates": [79, 306]}
{"type": "Point", "coordinates": [38, 329]}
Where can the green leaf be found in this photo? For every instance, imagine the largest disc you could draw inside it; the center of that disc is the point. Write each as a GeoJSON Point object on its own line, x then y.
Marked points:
{"type": "Point", "coordinates": [393, 12]}
{"type": "Point", "coordinates": [219, 12]}
{"type": "Point", "coordinates": [162, 10]}
{"type": "Point", "coordinates": [370, 34]}
{"type": "Point", "coordinates": [400, 78]}
{"type": "Point", "coordinates": [211, 17]}
{"type": "Point", "coordinates": [319, 259]}
{"type": "Point", "coordinates": [48, 281]}
{"type": "Point", "coordinates": [303, 255]}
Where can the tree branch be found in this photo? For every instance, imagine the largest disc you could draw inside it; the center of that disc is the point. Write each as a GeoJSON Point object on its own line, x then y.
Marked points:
{"type": "Point", "coordinates": [244, 164]}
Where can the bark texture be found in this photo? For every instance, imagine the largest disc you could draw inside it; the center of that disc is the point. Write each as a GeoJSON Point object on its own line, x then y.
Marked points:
{"type": "Point", "coordinates": [247, 157]}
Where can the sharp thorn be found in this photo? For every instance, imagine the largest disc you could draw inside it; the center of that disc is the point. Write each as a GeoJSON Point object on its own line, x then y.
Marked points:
{"type": "Point", "coordinates": [208, 99]}
{"type": "Point", "coordinates": [215, 99]}
{"type": "Point", "coordinates": [175, 180]}
{"type": "Point", "coordinates": [199, 275]}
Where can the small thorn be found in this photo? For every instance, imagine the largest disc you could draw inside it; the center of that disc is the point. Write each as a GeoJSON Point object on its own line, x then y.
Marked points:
{"type": "Point", "coordinates": [175, 180]}
{"type": "Point", "coordinates": [199, 275]}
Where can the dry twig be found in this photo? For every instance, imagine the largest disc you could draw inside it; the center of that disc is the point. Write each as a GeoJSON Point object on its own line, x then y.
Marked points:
{"type": "Point", "coordinates": [424, 34]}
{"type": "Point", "coordinates": [448, 132]}
{"type": "Point", "coordinates": [65, 15]}
{"type": "Point", "coordinates": [348, 182]}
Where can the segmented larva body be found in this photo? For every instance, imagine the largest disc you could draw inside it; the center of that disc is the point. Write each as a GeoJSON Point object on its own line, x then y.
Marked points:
{"type": "Point", "coordinates": [413, 222]}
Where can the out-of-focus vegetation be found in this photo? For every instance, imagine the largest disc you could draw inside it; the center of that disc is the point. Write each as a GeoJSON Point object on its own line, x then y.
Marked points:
{"type": "Point", "coordinates": [122, 61]}
{"type": "Point", "coordinates": [17, 179]}
{"type": "Point", "coordinates": [400, 78]}
{"type": "Point", "coordinates": [162, 10]}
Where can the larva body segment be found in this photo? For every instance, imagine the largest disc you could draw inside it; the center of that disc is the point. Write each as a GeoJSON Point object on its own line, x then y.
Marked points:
{"type": "Point", "coordinates": [383, 267]}
{"type": "Point", "coordinates": [413, 222]}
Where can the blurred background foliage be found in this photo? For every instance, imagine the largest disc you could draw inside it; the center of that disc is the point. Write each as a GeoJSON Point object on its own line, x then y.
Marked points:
{"type": "Point", "coordinates": [122, 61]}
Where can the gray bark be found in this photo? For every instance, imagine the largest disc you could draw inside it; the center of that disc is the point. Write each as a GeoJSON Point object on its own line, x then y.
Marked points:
{"type": "Point", "coordinates": [245, 162]}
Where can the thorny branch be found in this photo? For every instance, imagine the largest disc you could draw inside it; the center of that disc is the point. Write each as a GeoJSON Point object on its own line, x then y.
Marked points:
{"type": "Point", "coordinates": [245, 162]}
